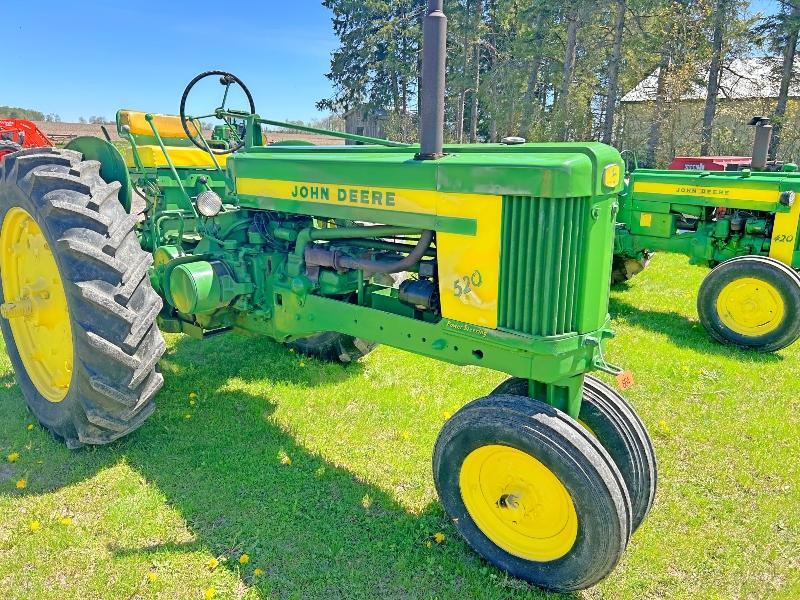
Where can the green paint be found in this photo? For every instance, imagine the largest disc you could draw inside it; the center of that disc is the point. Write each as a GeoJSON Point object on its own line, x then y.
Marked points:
{"type": "Point", "coordinates": [246, 270]}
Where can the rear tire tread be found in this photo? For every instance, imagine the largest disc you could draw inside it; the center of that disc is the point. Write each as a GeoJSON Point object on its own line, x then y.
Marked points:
{"type": "Point", "coordinates": [112, 304]}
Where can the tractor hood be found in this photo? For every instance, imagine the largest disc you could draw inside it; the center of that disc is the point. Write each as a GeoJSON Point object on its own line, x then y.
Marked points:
{"type": "Point", "coordinates": [565, 170]}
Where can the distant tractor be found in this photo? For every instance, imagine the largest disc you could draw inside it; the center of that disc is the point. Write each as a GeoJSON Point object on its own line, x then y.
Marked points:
{"type": "Point", "coordinates": [743, 222]}
{"type": "Point", "coordinates": [16, 134]}
{"type": "Point", "coordinates": [502, 259]}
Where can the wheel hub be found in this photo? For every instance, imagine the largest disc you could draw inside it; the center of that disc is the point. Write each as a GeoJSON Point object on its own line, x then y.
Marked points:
{"type": "Point", "coordinates": [518, 503]}
{"type": "Point", "coordinates": [36, 305]}
{"type": "Point", "coordinates": [750, 306]}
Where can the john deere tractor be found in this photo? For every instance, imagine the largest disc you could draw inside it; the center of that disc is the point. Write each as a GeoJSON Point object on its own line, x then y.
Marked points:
{"type": "Point", "coordinates": [744, 223]}
{"type": "Point", "coordinates": [497, 256]}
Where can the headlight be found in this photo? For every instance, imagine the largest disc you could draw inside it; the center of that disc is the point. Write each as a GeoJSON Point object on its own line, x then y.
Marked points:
{"type": "Point", "coordinates": [611, 176]}
{"type": "Point", "coordinates": [209, 203]}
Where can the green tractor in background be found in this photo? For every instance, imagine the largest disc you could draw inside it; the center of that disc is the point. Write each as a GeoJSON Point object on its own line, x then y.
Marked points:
{"type": "Point", "coordinates": [744, 223]}
{"type": "Point", "coordinates": [503, 256]}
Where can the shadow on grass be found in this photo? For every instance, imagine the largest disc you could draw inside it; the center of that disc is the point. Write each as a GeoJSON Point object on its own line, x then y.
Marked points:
{"type": "Point", "coordinates": [681, 330]}
{"type": "Point", "coordinates": [314, 529]}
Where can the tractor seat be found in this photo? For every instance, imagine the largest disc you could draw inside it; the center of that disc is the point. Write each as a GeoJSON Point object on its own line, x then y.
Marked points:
{"type": "Point", "coordinates": [180, 149]}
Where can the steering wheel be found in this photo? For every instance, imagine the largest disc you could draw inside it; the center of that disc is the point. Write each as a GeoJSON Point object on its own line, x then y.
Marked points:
{"type": "Point", "coordinates": [235, 122]}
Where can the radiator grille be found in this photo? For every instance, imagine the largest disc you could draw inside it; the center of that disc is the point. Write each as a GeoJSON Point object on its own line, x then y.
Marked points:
{"type": "Point", "coordinates": [540, 264]}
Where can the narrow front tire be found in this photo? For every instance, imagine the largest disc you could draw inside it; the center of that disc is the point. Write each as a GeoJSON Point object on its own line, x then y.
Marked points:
{"type": "Point", "coordinates": [532, 492]}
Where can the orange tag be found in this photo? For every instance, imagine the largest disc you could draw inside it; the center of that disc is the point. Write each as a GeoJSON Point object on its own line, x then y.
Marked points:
{"type": "Point", "coordinates": [625, 380]}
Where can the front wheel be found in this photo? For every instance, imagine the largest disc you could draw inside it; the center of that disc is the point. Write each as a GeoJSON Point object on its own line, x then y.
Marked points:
{"type": "Point", "coordinates": [332, 346]}
{"type": "Point", "coordinates": [532, 492]}
{"type": "Point", "coordinates": [614, 423]}
{"type": "Point", "coordinates": [753, 302]}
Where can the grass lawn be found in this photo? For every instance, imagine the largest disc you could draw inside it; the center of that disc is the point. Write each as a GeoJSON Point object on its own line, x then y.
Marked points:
{"type": "Point", "coordinates": [321, 474]}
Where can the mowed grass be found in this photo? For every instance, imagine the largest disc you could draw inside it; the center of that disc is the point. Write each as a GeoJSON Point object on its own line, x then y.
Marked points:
{"type": "Point", "coordinates": [321, 474]}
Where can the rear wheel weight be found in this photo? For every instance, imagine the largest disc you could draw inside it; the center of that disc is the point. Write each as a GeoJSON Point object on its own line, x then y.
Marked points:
{"type": "Point", "coordinates": [617, 427]}
{"type": "Point", "coordinates": [560, 516]}
{"type": "Point", "coordinates": [110, 304]}
{"type": "Point", "coordinates": [753, 302]}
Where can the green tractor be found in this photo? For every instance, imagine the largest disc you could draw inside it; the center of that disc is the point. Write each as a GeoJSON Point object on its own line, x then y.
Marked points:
{"type": "Point", "coordinates": [495, 255]}
{"type": "Point", "coordinates": [744, 223]}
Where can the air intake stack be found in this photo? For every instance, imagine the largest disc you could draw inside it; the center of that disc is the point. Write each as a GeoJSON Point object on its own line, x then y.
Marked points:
{"type": "Point", "coordinates": [434, 48]}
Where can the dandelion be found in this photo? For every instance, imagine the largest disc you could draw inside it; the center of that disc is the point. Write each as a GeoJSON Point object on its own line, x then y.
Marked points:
{"type": "Point", "coordinates": [406, 435]}
{"type": "Point", "coordinates": [428, 544]}
{"type": "Point", "coordinates": [210, 593]}
{"type": "Point", "coordinates": [446, 415]}
{"type": "Point", "coordinates": [301, 364]}
{"type": "Point", "coordinates": [258, 572]}
{"type": "Point", "coordinates": [30, 427]}
{"type": "Point", "coordinates": [244, 559]}
{"type": "Point", "coordinates": [35, 525]}
{"type": "Point", "coordinates": [291, 350]}
{"type": "Point", "coordinates": [193, 396]}
{"type": "Point", "coordinates": [212, 563]}
{"type": "Point", "coordinates": [22, 484]}
{"type": "Point", "coordinates": [438, 537]}
{"type": "Point", "coordinates": [66, 521]}
{"type": "Point", "coordinates": [192, 402]}
{"type": "Point", "coordinates": [366, 501]}
{"type": "Point", "coordinates": [187, 416]}
{"type": "Point", "coordinates": [13, 457]}
{"type": "Point", "coordinates": [284, 458]}
{"type": "Point", "coordinates": [152, 577]}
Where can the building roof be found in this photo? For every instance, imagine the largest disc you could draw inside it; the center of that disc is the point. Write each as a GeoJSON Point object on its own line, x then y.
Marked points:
{"type": "Point", "coordinates": [741, 79]}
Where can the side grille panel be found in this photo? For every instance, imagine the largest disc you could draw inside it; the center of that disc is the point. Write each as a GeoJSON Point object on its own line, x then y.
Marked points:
{"type": "Point", "coordinates": [539, 264]}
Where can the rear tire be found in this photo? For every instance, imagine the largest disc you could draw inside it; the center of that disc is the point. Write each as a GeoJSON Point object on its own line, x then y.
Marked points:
{"type": "Point", "coordinates": [752, 302]}
{"type": "Point", "coordinates": [332, 346]}
{"type": "Point", "coordinates": [8, 147]}
{"type": "Point", "coordinates": [561, 517]}
{"type": "Point", "coordinates": [624, 268]}
{"type": "Point", "coordinates": [111, 305]}
{"type": "Point", "coordinates": [615, 424]}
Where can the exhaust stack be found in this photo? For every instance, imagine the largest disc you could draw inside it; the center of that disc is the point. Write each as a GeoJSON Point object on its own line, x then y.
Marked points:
{"type": "Point", "coordinates": [761, 143]}
{"type": "Point", "coordinates": [434, 48]}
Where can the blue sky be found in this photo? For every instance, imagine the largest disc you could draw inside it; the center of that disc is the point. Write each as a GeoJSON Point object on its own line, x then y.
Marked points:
{"type": "Point", "coordinates": [91, 57]}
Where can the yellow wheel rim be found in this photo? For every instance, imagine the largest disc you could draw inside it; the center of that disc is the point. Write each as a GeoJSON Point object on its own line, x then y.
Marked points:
{"type": "Point", "coordinates": [36, 305]}
{"type": "Point", "coordinates": [751, 307]}
{"type": "Point", "coordinates": [518, 503]}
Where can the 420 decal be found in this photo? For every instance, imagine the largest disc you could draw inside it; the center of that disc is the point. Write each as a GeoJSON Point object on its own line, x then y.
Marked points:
{"type": "Point", "coordinates": [465, 283]}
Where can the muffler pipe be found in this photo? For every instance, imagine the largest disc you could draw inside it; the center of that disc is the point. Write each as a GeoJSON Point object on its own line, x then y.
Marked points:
{"type": "Point", "coordinates": [761, 143]}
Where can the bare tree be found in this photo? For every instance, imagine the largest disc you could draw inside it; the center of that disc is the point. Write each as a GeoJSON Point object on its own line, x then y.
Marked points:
{"type": "Point", "coordinates": [714, 72]}
{"type": "Point", "coordinates": [613, 72]}
{"type": "Point", "coordinates": [791, 28]}
{"type": "Point", "coordinates": [570, 51]}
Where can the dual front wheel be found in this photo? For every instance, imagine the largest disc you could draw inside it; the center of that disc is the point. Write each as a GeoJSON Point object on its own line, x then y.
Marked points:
{"type": "Point", "coordinates": [547, 498]}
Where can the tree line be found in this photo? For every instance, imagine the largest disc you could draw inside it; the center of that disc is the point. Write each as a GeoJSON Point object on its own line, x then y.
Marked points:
{"type": "Point", "coordinates": [558, 69]}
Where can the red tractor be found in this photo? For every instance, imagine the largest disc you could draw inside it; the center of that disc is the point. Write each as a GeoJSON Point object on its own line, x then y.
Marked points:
{"type": "Point", "coordinates": [16, 134]}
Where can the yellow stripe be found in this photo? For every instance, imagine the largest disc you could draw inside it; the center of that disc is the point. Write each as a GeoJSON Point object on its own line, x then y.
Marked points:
{"type": "Point", "coordinates": [707, 191]}
{"type": "Point", "coordinates": [784, 234]}
{"type": "Point", "coordinates": [463, 259]}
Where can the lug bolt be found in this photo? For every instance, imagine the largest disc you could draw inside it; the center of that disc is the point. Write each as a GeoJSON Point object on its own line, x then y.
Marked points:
{"type": "Point", "coordinates": [17, 310]}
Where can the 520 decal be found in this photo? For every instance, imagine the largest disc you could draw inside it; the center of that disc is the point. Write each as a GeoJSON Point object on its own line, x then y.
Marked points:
{"type": "Point", "coordinates": [464, 283]}
{"type": "Point", "coordinates": [784, 238]}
